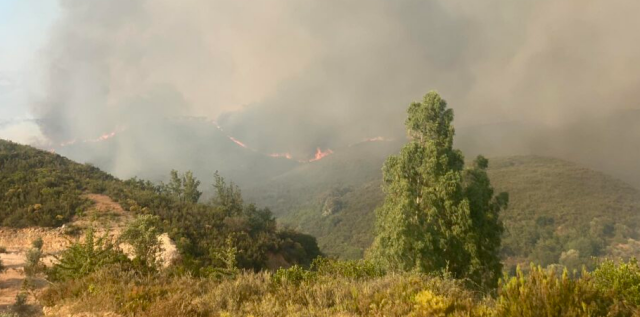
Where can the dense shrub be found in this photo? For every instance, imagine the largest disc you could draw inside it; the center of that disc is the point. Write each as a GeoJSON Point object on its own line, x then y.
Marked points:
{"type": "Point", "coordinates": [542, 293]}
{"type": "Point", "coordinates": [328, 268]}
{"type": "Point", "coordinates": [201, 230]}
{"type": "Point", "coordinates": [258, 294]}
{"type": "Point", "coordinates": [611, 290]}
{"type": "Point", "coordinates": [142, 234]}
{"type": "Point", "coordinates": [83, 258]}
{"type": "Point", "coordinates": [38, 188]}
{"type": "Point", "coordinates": [619, 281]}
{"type": "Point", "coordinates": [330, 288]}
{"type": "Point", "coordinates": [352, 269]}
{"type": "Point", "coordinates": [33, 264]}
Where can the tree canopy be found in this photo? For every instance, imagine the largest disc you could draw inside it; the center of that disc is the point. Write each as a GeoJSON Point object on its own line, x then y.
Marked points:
{"type": "Point", "coordinates": [437, 215]}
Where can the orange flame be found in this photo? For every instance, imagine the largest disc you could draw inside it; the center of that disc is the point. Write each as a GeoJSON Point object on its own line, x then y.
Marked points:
{"type": "Point", "coordinates": [101, 138]}
{"type": "Point", "coordinates": [234, 140]}
{"type": "Point", "coordinates": [320, 154]}
{"type": "Point", "coordinates": [238, 142]}
{"type": "Point", "coordinates": [72, 142]}
{"type": "Point", "coordinates": [374, 139]}
{"type": "Point", "coordinates": [285, 155]}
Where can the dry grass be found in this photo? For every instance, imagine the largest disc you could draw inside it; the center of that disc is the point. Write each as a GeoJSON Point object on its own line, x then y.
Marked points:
{"type": "Point", "coordinates": [113, 291]}
{"type": "Point", "coordinates": [258, 294]}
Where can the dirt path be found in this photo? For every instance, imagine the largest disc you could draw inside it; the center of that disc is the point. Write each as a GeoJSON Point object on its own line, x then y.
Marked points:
{"type": "Point", "coordinates": [105, 213]}
{"type": "Point", "coordinates": [11, 279]}
{"type": "Point", "coordinates": [105, 216]}
{"type": "Point", "coordinates": [104, 203]}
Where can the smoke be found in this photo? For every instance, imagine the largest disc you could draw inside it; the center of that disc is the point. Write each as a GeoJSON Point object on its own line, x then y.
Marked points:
{"type": "Point", "coordinates": [286, 76]}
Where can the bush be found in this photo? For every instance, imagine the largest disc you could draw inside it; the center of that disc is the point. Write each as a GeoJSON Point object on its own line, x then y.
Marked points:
{"type": "Point", "coordinates": [81, 259]}
{"type": "Point", "coordinates": [20, 306]}
{"type": "Point", "coordinates": [226, 264]}
{"type": "Point", "coordinates": [352, 269]}
{"type": "Point", "coordinates": [328, 289]}
{"type": "Point", "coordinates": [543, 293]}
{"type": "Point", "coordinates": [37, 243]}
{"type": "Point", "coordinates": [619, 281]}
{"type": "Point", "coordinates": [293, 275]}
{"type": "Point", "coordinates": [32, 265]}
{"type": "Point", "coordinates": [258, 294]}
{"type": "Point", "coordinates": [38, 188]}
{"type": "Point", "coordinates": [328, 269]}
{"type": "Point", "coordinates": [142, 234]}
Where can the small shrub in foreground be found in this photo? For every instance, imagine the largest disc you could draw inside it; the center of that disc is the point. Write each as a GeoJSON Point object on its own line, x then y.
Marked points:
{"type": "Point", "coordinates": [81, 259]}
{"type": "Point", "coordinates": [620, 281]}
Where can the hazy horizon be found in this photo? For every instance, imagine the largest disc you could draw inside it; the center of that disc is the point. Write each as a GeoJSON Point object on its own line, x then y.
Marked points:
{"type": "Point", "coordinates": [284, 77]}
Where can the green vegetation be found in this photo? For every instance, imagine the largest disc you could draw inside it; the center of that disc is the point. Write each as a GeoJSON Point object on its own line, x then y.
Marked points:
{"type": "Point", "coordinates": [84, 258]}
{"type": "Point", "coordinates": [142, 234]}
{"type": "Point", "coordinates": [563, 213]}
{"type": "Point", "coordinates": [351, 178]}
{"type": "Point", "coordinates": [40, 188]}
{"type": "Point", "coordinates": [33, 265]}
{"type": "Point", "coordinates": [353, 288]}
{"type": "Point", "coordinates": [619, 280]}
{"type": "Point", "coordinates": [555, 206]}
{"type": "Point", "coordinates": [184, 189]}
{"type": "Point", "coordinates": [20, 306]}
{"type": "Point", "coordinates": [436, 215]}
{"type": "Point", "coordinates": [43, 189]}
{"type": "Point", "coordinates": [437, 250]}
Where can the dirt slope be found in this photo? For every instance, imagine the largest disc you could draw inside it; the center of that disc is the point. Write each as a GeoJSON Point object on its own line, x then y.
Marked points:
{"type": "Point", "coordinates": [105, 216]}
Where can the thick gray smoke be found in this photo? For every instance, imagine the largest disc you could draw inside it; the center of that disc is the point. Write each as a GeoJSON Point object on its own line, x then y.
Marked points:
{"type": "Point", "coordinates": [545, 76]}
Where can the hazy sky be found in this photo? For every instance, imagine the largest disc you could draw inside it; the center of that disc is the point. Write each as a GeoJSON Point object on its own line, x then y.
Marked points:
{"type": "Point", "coordinates": [544, 77]}
{"type": "Point", "coordinates": [24, 28]}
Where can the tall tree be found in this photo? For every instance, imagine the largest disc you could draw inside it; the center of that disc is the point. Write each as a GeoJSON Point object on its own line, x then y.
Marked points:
{"type": "Point", "coordinates": [435, 213]}
{"type": "Point", "coordinates": [485, 267]}
{"type": "Point", "coordinates": [174, 188]}
{"type": "Point", "coordinates": [227, 197]}
{"type": "Point", "coordinates": [190, 188]}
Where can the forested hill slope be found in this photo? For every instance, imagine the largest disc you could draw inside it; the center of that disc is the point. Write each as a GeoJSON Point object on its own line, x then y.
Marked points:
{"type": "Point", "coordinates": [38, 188]}
{"type": "Point", "coordinates": [555, 206]}
{"type": "Point", "coordinates": [570, 194]}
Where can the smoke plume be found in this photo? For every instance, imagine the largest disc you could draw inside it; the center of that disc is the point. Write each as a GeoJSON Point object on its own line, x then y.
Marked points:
{"type": "Point", "coordinates": [286, 76]}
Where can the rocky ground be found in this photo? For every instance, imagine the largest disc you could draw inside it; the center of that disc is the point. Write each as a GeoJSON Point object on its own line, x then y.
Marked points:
{"type": "Point", "coordinates": [105, 216]}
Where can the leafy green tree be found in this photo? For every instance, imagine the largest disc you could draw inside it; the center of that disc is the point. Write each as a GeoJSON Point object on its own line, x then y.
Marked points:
{"type": "Point", "coordinates": [190, 191]}
{"type": "Point", "coordinates": [436, 215]}
{"type": "Point", "coordinates": [142, 235]}
{"type": "Point", "coordinates": [174, 188]}
{"type": "Point", "coordinates": [487, 229]}
{"type": "Point", "coordinates": [227, 197]}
